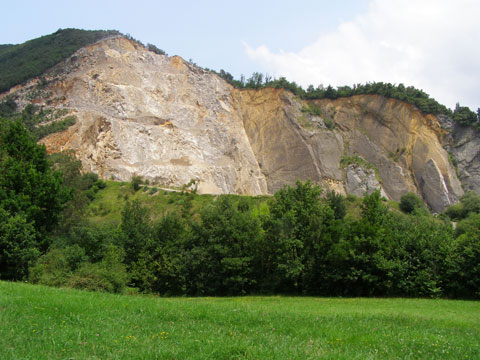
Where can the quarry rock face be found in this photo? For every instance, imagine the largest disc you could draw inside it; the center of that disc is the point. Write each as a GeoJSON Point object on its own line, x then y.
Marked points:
{"type": "Point", "coordinates": [401, 142]}
{"type": "Point", "coordinates": [139, 113]}
{"type": "Point", "coordinates": [158, 117]}
{"type": "Point", "coordinates": [360, 181]}
{"type": "Point", "coordinates": [463, 143]}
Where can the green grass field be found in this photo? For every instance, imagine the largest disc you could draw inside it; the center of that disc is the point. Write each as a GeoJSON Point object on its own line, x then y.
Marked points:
{"type": "Point", "coordinates": [38, 322]}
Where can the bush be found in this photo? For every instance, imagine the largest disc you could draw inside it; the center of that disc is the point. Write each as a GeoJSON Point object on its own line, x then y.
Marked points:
{"type": "Point", "coordinates": [88, 180]}
{"type": "Point", "coordinates": [329, 123]}
{"type": "Point", "coordinates": [70, 267]}
{"type": "Point", "coordinates": [100, 184]}
{"type": "Point", "coordinates": [42, 131]}
{"type": "Point", "coordinates": [136, 182]}
{"type": "Point", "coordinates": [57, 266]}
{"type": "Point", "coordinates": [469, 203]}
{"type": "Point", "coordinates": [109, 275]}
{"type": "Point", "coordinates": [93, 277]}
{"type": "Point", "coordinates": [409, 202]}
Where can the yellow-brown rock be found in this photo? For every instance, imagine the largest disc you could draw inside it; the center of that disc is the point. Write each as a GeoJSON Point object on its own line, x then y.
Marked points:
{"type": "Point", "coordinates": [170, 122]}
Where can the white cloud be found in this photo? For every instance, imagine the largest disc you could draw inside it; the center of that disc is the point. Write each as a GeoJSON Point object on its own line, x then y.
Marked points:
{"type": "Point", "coordinates": [430, 44]}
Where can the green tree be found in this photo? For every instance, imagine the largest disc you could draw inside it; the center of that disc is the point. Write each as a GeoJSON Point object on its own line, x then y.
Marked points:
{"type": "Point", "coordinates": [337, 204]}
{"type": "Point", "coordinates": [31, 199]}
{"type": "Point", "coordinates": [27, 184]}
{"type": "Point", "coordinates": [295, 232]}
{"type": "Point", "coordinates": [136, 227]}
{"type": "Point", "coordinates": [19, 246]}
{"type": "Point", "coordinates": [137, 180]}
{"type": "Point", "coordinates": [221, 258]}
{"type": "Point", "coordinates": [463, 115]}
{"type": "Point", "coordinates": [166, 256]}
{"type": "Point", "coordinates": [463, 274]}
{"type": "Point", "coordinates": [356, 260]}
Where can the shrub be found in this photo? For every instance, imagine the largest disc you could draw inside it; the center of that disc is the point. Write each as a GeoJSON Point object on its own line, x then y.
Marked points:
{"type": "Point", "coordinates": [56, 267]}
{"type": "Point", "coordinates": [136, 182]}
{"type": "Point", "coordinates": [469, 203]}
{"type": "Point", "coordinates": [329, 123]}
{"type": "Point", "coordinates": [100, 184]}
{"type": "Point", "coordinates": [337, 204]}
{"type": "Point", "coordinates": [109, 275]}
{"type": "Point", "coordinates": [409, 202]}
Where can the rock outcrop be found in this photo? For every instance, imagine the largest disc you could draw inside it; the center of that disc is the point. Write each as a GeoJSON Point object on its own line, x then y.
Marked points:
{"type": "Point", "coordinates": [463, 144]}
{"type": "Point", "coordinates": [360, 181]}
{"type": "Point", "coordinates": [402, 143]}
{"type": "Point", "coordinates": [170, 122]}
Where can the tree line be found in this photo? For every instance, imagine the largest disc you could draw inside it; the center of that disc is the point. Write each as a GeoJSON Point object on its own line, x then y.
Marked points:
{"type": "Point", "coordinates": [427, 105]}
{"type": "Point", "coordinates": [300, 241]}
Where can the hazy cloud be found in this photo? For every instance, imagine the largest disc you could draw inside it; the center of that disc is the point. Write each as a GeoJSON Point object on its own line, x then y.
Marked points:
{"type": "Point", "coordinates": [431, 44]}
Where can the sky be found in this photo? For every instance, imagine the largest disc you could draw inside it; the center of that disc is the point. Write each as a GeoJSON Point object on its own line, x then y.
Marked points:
{"type": "Point", "coordinates": [430, 44]}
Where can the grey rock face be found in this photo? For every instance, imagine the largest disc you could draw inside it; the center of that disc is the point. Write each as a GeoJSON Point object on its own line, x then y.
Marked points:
{"type": "Point", "coordinates": [361, 181]}
{"type": "Point", "coordinates": [464, 145]}
{"type": "Point", "coordinates": [445, 122]}
{"type": "Point", "coordinates": [434, 188]}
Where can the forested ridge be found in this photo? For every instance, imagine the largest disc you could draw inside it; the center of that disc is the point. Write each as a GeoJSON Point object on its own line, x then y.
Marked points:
{"type": "Point", "coordinates": [302, 240]}
{"type": "Point", "coordinates": [427, 105]}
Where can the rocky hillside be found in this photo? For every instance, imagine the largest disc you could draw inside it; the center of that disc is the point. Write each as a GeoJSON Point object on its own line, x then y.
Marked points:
{"type": "Point", "coordinates": [164, 119]}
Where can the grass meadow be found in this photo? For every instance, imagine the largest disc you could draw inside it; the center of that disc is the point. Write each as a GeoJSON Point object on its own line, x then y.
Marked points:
{"type": "Point", "coordinates": [38, 322]}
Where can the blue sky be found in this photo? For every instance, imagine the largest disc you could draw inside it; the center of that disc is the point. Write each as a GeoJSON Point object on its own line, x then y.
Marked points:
{"type": "Point", "coordinates": [430, 44]}
{"type": "Point", "coordinates": [211, 33]}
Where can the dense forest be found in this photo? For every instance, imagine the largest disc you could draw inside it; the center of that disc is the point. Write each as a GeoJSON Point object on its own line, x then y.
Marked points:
{"type": "Point", "coordinates": [302, 240]}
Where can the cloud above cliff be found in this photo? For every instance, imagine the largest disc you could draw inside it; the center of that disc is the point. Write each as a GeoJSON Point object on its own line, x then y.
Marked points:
{"type": "Point", "coordinates": [430, 44]}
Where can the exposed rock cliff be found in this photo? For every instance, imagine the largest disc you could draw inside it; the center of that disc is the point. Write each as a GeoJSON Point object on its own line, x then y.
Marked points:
{"type": "Point", "coordinates": [402, 143]}
{"type": "Point", "coordinates": [162, 118]}
{"type": "Point", "coordinates": [463, 144]}
{"type": "Point", "coordinates": [159, 117]}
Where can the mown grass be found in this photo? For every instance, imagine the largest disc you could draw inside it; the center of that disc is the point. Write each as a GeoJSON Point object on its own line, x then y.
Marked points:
{"type": "Point", "coordinates": [47, 323]}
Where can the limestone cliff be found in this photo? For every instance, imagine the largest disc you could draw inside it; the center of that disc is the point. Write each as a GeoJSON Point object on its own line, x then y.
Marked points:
{"type": "Point", "coordinates": [463, 144]}
{"type": "Point", "coordinates": [169, 121]}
